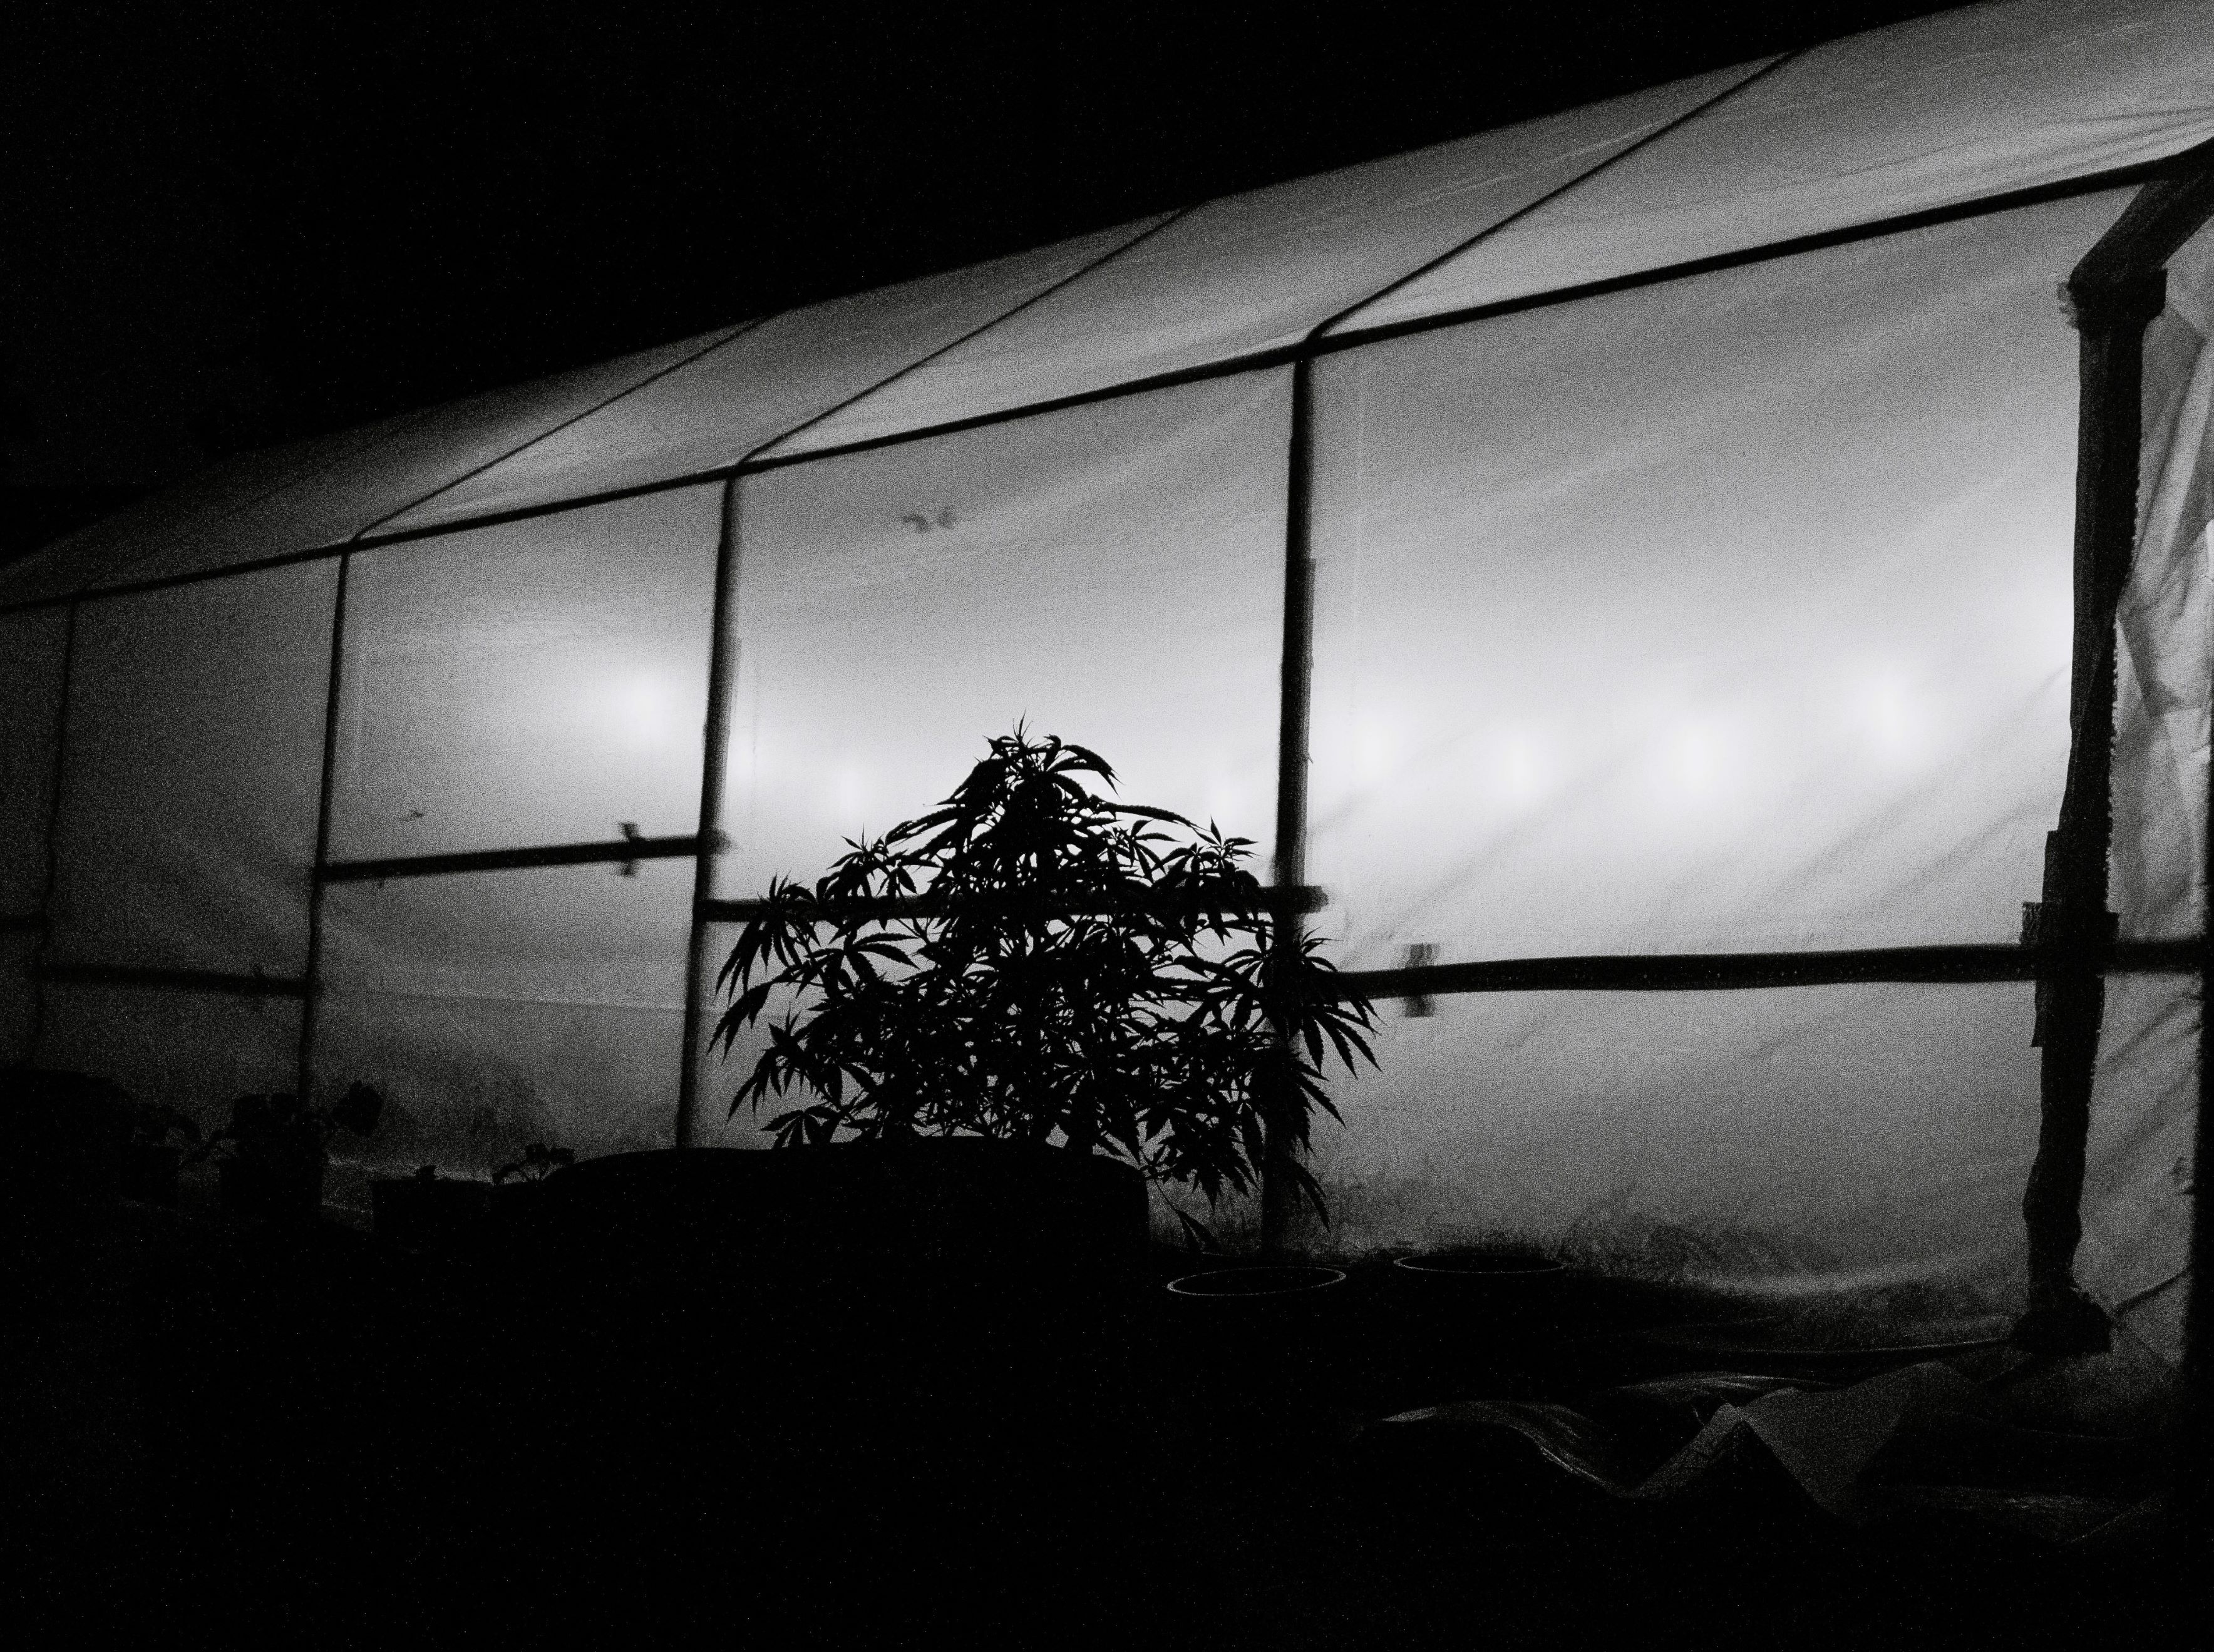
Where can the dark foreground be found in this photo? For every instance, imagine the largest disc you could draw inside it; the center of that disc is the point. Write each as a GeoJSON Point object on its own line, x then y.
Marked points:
{"type": "Point", "coordinates": [219, 1432]}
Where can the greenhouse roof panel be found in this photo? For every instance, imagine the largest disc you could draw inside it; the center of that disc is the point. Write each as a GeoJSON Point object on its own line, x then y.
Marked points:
{"type": "Point", "coordinates": [327, 491]}
{"type": "Point", "coordinates": [1943, 110]}
{"type": "Point", "coordinates": [789, 369]}
{"type": "Point", "coordinates": [1258, 271]}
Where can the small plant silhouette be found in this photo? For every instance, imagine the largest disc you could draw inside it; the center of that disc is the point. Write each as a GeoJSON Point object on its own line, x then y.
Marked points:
{"type": "Point", "coordinates": [1033, 961]}
{"type": "Point", "coordinates": [537, 1163]}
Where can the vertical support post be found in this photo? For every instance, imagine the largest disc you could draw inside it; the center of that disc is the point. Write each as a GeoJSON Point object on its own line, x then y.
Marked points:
{"type": "Point", "coordinates": [2070, 921]}
{"type": "Point", "coordinates": [2197, 1478]}
{"type": "Point", "coordinates": [312, 983]}
{"type": "Point", "coordinates": [1279, 1181]}
{"type": "Point", "coordinates": [722, 658]}
{"type": "Point", "coordinates": [45, 941]}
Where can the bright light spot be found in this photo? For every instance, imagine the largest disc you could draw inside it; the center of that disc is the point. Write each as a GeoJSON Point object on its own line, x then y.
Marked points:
{"type": "Point", "coordinates": [1696, 762]}
{"type": "Point", "coordinates": [1521, 773]}
{"type": "Point", "coordinates": [850, 788]}
{"type": "Point", "coordinates": [644, 712]}
{"type": "Point", "coordinates": [1892, 718]}
{"type": "Point", "coordinates": [1375, 748]}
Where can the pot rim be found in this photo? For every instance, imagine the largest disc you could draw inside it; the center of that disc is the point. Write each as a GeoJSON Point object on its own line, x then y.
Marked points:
{"type": "Point", "coordinates": [1306, 1280]}
{"type": "Point", "coordinates": [1431, 1264]}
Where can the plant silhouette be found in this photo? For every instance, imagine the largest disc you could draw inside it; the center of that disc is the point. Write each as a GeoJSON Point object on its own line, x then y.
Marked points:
{"type": "Point", "coordinates": [1033, 961]}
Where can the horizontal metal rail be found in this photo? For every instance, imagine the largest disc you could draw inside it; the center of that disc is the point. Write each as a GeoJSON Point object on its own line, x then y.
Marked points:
{"type": "Point", "coordinates": [622, 851]}
{"type": "Point", "coordinates": [1963, 965]}
{"type": "Point", "coordinates": [1265, 899]}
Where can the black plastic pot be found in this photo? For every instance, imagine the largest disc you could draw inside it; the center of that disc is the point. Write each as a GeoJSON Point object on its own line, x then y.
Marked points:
{"type": "Point", "coordinates": [1253, 1344]}
{"type": "Point", "coordinates": [1474, 1321]}
{"type": "Point", "coordinates": [441, 1214]}
{"type": "Point", "coordinates": [66, 1133]}
{"type": "Point", "coordinates": [148, 1173]}
{"type": "Point", "coordinates": [848, 1278]}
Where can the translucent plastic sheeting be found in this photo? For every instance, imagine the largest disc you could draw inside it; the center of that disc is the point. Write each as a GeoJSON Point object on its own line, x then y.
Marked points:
{"type": "Point", "coordinates": [1113, 573]}
{"type": "Point", "coordinates": [2137, 1201]}
{"type": "Point", "coordinates": [428, 453]}
{"type": "Point", "coordinates": [2165, 633]}
{"type": "Point", "coordinates": [1725, 613]}
{"type": "Point", "coordinates": [766, 381]}
{"type": "Point", "coordinates": [196, 1052]}
{"type": "Point", "coordinates": [1929, 113]}
{"type": "Point", "coordinates": [540, 682]}
{"type": "Point", "coordinates": [1255, 272]}
{"type": "Point", "coordinates": [32, 647]}
{"type": "Point", "coordinates": [719, 1075]}
{"type": "Point", "coordinates": [192, 772]}
{"type": "Point", "coordinates": [2137, 1180]}
{"type": "Point", "coordinates": [496, 1009]}
{"type": "Point", "coordinates": [1809, 1138]}
{"type": "Point", "coordinates": [112, 552]}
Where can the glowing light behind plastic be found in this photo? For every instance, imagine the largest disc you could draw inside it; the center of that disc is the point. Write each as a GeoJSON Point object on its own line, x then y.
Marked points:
{"type": "Point", "coordinates": [552, 998]}
{"type": "Point", "coordinates": [1114, 574]}
{"type": "Point", "coordinates": [537, 683]}
{"type": "Point", "coordinates": [1728, 613]}
{"type": "Point", "coordinates": [1811, 1138]}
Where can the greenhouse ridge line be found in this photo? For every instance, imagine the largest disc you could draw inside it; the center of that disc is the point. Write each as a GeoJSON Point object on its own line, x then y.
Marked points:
{"type": "Point", "coordinates": [731, 338]}
{"type": "Point", "coordinates": [727, 336]}
{"type": "Point", "coordinates": [1253, 361]}
{"type": "Point", "coordinates": [1325, 326]}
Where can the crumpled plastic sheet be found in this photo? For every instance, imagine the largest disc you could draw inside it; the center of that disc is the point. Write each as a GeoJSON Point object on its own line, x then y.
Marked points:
{"type": "Point", "coordinates": [1926, 1442]}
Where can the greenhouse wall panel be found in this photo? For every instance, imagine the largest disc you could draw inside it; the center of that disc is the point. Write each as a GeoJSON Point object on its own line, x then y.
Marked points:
{"type": "Point", "coordinates": [540, 682]}
{"type": "Point", "coordinates": [1812, 1139]}
{"type": "Point", "coordinates": [196, 1052]}
{"type": "Point", "coordinates": [1731, 612]}
{"type": "Point", "coordinates": [192, 772]}
{"type": "Point", "coordinates": [1112, 574]}
{"type": "Point", "coordinates": [33, 645]}
{"type": "Point", "coordinates": [495, 1009]}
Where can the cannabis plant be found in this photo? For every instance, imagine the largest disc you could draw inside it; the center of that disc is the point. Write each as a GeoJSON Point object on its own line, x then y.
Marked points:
{"type": "Point", "coordinates": [1034, 961]}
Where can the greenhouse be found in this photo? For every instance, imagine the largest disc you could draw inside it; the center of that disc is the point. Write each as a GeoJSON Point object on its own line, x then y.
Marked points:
{"type": "Point", "coordinates": [1655, 581]}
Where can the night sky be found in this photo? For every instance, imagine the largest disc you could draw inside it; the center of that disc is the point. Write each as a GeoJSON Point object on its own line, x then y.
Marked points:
{"type": "Point", "coordinates": [223, 226]}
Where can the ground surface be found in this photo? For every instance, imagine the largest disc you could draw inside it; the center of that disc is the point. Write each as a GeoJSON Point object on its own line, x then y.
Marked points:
{"type": "Point", "coordinates": [220, 1430]}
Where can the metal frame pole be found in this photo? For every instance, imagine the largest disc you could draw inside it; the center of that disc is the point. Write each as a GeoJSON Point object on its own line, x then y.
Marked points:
{"type": "Point", "coordinates": [45, 941]}
{"type": "Point", "coordinates": [311, 982]}
{"type": "Point", "coordinates": [722, 659]}
{"type": "Point", "coordinates": [1279, 1184]}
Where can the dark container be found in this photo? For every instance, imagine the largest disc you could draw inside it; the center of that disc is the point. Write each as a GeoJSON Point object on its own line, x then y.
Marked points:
{"type": "Point", "coordinates": [148, 1172]}
{"type": "Point", "coordinates": [1254, 1346]}
{"type": "Point", "coordinates": [66, 1133]}
{"type": "Point", "coordinates": [279, 1188]}
{"type": "Point", "coordinates": [1476, 1323]}
{"type": "Point", "coordinates": [418, 1213]}
{"type": "Point", "coordinates": [847, 1280]}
